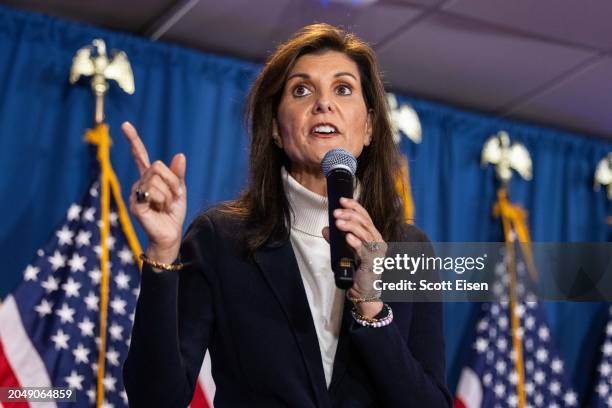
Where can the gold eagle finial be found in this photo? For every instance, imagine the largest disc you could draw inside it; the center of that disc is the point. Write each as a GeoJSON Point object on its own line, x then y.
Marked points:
{"type": "Point", "coordinates": [603, 174]}
{"type": "Point", "coordinates": [405, 119]}
{"type": "Point", "coordinates": [92, 60]}
{"type": "Point", "coordinates": [505, 156]}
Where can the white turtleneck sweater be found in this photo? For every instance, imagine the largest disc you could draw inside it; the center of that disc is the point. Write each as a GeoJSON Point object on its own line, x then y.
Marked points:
{"type": "Point", "coordinates": [309, 216]}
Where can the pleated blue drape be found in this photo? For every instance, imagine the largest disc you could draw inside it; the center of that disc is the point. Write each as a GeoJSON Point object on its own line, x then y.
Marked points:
{"type": "Point", "coordinates": [184, 102]}
{"type": "Point", "coordinates": [454, 197]}
{"type": "Point", "coordinates": [191, 102]}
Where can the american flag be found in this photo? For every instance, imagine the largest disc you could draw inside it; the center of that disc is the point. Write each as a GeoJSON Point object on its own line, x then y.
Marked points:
{"type": "Point", "coordinates": [49, 325]}
{"type": "Point", "coordinates": [490, 378]}
{"type": "Point", "coordinates": [602, 396]}
{"type": "Point", "coordinates": [205, 386]}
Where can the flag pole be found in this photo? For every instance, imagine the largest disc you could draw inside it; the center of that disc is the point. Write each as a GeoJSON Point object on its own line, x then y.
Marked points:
{"type": "Point", "coordinates": [507, 157]}
{"type": "Point", "coordinates": [93, 60]}
{"type": "Point", "coordinates": [508, 213]}
{"type": "Point", "coordinates": [103, 142]}
{"type": "Point", "coordinates": [402, 185]}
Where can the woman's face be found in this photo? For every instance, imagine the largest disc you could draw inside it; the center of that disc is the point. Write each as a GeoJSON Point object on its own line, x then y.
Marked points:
{"type": "Point", "coordinates": [322, 108]}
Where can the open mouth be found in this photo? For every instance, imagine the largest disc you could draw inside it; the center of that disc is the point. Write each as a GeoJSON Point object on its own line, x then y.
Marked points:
{"type": "Point", "coordinates": [324, 130]}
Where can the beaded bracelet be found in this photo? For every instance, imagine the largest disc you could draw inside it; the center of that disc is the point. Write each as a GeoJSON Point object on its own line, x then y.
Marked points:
{"type": "Point", "coordinates": [372, 322]}
{"type": "Point", "coordinates": [161, 265]}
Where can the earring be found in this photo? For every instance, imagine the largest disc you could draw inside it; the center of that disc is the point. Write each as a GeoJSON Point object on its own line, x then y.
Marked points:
{"type": "Point", "coordinates": [276, 140]}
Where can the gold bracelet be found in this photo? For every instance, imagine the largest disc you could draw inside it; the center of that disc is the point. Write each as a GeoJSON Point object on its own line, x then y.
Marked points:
{"type": "Point", "coordinates": [358, 300]}
{"type": "Point", "coordinates": [161, 265]}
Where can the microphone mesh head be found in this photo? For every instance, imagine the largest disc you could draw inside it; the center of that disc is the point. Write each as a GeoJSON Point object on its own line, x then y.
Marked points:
{"type": "Point", "coordinates": [338, 158]}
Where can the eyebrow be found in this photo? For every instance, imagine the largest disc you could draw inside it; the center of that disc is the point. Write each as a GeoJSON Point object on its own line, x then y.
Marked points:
{"type": "Point", "coordinates": [306, 76]}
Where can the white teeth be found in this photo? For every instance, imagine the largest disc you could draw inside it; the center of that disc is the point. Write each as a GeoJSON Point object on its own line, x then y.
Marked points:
{"type": "Point", "coordinates": [324, 129]}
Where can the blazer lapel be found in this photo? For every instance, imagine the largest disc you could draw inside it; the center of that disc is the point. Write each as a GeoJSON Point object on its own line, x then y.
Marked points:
{"type": "Point", "coordinates": [341, 360]}
{"type": "Point", "coordinates": [280, 269]}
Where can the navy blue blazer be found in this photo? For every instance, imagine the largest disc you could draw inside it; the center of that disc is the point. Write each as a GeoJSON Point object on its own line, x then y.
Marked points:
{"type": "Point", "coordinates": [253, 317]}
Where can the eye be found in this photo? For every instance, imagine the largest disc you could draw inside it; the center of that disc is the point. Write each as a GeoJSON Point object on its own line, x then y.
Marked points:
{"type": "Point", "coordinates": [344, 90]}
{"type": "Point", "coordinates": [301, 90]}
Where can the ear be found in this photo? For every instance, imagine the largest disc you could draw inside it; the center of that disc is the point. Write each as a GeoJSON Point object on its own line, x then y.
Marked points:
{"type": "Point", "coordinates": [369, 128]}
{"type": "Point", "coordinates": [276, 134]}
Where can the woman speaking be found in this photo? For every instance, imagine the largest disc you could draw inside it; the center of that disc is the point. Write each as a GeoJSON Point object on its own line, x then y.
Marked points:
{"type": "Point", "coordinates": [251, 280]}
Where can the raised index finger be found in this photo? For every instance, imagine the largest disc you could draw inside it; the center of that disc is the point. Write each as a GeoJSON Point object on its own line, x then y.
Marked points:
{"type": "Point", "coordinates": [139, 151]}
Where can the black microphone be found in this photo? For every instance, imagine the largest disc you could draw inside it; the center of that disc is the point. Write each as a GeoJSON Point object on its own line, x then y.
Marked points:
{"type": "Point", "coordinates": [339, 167]}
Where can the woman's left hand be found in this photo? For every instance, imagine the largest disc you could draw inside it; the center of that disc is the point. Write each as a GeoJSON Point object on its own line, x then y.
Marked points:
{"type": "Point", "coordinates": [366, 241]}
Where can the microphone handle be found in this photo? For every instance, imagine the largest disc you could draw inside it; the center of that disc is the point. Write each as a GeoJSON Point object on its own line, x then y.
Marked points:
{"type": "Point", "coordinates": [340, 184]}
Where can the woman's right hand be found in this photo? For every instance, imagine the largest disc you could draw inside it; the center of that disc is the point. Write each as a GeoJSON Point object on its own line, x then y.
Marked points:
{"type": "Point", "coordinates": [162, 213]}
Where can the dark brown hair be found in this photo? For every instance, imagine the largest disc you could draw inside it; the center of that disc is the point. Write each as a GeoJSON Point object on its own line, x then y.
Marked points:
{"type": "Point", "coordinates": [264, 203]}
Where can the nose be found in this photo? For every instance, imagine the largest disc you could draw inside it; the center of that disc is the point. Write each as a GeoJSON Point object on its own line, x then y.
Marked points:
{"type": "Point", "coordinates": [323, 104]}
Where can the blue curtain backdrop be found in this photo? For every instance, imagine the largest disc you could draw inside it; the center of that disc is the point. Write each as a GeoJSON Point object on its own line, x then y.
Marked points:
{"type": "Point", "coordinates": [191, 102]}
